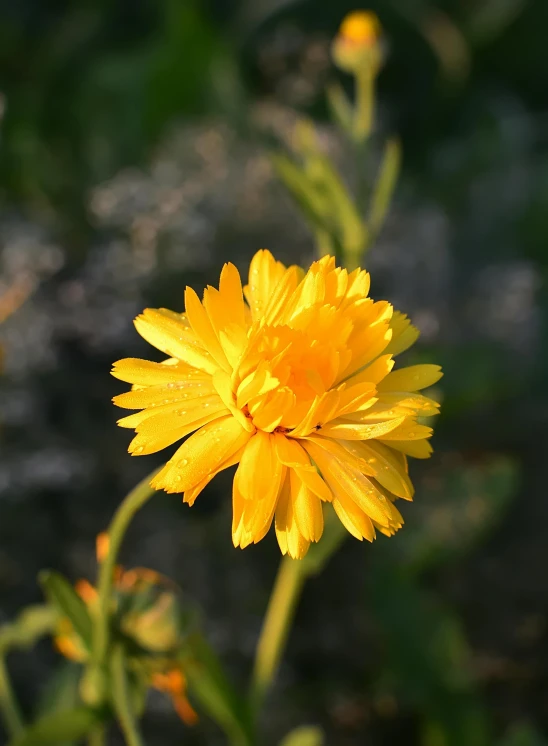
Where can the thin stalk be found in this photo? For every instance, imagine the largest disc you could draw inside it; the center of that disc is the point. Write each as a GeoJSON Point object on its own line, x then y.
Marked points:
{"type": "Point", "coordinates": [277, 623]}
{"type": "Point", "coordinates": [9, 707]}
{"type": "Point", "coordinates": [365, 104]}
{"type": "Point", "coordinates": [121, 698]}
{"type": "Point", "coordinates": [93, 689]}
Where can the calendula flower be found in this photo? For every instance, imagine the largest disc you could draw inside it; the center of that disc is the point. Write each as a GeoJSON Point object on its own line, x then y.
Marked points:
{"type": "Point", "coordinates": [357, 44]}
{"type": "Point", "coordinates": [296, 387]}
{"type": "Point", "coordinates": [149, 618]}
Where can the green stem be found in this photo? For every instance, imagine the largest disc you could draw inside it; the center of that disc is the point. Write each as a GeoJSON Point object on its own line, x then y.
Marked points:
{"type": "Point", "coordinates": [93, 686]}
{"type": "Point", "coordinates": [8, 703]}
{"type": "Point", "coordinates": [121, 698]}
{"type": "Point", "coordinates": [277, 622]}
{"type": "Point", "coordinates": [365, 100]}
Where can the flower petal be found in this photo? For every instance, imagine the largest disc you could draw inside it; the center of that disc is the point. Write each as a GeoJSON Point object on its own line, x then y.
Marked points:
{"type": "Point", "coordinates": [404, 334]}
{"type": "Point", "coordinates": [347, 430]}
{"type": "Point", "coordinates": [203, 328]}
{"type": "Point", "coordinates": [412, 378]}
{"type": "Point", "coordinates": [386, 466]}
{"type": "Point", "coordinates": [307, 509]}
{"type": "Point", "coordinates": [173, 337]}
{"type": "Point", "coordinates": [201, 454]}
{"type": "Point", "coordinates": [147, 373]}
{"type": "Point", "coordinates": [344, 480]}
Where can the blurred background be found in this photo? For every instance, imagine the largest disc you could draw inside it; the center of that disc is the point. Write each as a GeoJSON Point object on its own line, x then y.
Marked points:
{"type": "Point", "coordinates": [134, 160]}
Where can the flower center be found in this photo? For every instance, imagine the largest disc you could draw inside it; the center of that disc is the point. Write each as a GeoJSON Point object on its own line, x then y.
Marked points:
{"type": "Point", "coordinates": [282, 375]}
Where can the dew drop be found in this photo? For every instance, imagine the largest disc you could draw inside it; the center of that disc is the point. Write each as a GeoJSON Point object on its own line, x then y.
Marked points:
{"type": "Point", "coordinates": [184, 462]}
{"type": "Point", "coordinates": [140, 449]}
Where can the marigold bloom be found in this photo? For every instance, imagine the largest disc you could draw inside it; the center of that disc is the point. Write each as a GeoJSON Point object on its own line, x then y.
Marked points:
{"type": "Point", "coordinates": [296, 387]}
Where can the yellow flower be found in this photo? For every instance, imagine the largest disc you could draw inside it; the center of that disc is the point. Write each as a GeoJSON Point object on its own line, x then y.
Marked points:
{"type": "Point", "coordinates": [296, 387]}
{"type": "Point", "coordinates": [357, 45]}
{"type": "Point", "coordinates": [361, 27]}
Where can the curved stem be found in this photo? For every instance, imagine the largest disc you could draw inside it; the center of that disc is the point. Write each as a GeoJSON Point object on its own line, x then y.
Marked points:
{"type": "Point", "coordinates": [277, 622]}
{"type": "Point", "coordinates": [8, 704]}
{"type": "Point", "coordinates": [121, 699]}
{"type": "Point", "coordinates": [93, 688]}
{"type": "Point", "coordinates": [365, 102]}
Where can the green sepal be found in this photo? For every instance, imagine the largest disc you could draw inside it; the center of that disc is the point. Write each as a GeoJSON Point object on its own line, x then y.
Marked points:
{"type": "Point", "coordinates": [61, 594]}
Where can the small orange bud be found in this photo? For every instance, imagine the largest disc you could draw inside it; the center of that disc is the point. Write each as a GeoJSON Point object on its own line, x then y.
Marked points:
{"type": "Point", "coordinates": [357, 45]}
{"type": "Point", "coordinates": [102, 544]}
{"type": "Point", "coordinates": [86, 591]}
{"type": "Point", "coordinates": [173, 682]}
{"type": "Point", "coordinates": [361, 27]}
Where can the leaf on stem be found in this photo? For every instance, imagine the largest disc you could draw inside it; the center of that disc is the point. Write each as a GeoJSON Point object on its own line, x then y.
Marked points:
{"type": "Point", "coordinates": [209, 685]}
{"type": "Point", "coordinates": [64, 598]}
{"type": "Point", "coordinates": [384, 186]}
{"type": "Point", "coordinates": [68, 725]}
{"type": "Point", "coordinates": [34, 622]}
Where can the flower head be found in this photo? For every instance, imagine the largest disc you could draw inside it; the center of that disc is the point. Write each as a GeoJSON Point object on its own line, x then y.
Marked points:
{"type": "Point", "coordinates": [361, 27]}
{"type": "Point", "coordinates": [358, 42]}
{"type": "Point", "coordinates": [296, 387]}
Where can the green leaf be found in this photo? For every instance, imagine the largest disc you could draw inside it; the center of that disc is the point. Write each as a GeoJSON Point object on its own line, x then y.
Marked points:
{"type": "Point", "coordinates": [340, 107]}
{"type": "Point", "coordinates": [384, 186]}
{"type": "Point", "coordinates": [61, 693]}
{"type": "Point", "coordinates": [350, 228]}
{"type": "Point", "coordinates": [64, 598]}
{"type": "Point", "coordinates": [34, 622]}
{"type": "Point", "coordinates": [210, 687]}
{"type": "Point", "coordinates": [306, 735]}
{"type": "Point", "coordinates": [68, 725]}
{"type": "Point", "coordinates": [314, 207]}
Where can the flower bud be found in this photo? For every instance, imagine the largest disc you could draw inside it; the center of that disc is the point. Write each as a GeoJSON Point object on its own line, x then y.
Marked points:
{"type": "Point", "coordinates": [357, 45]}
{"type": "Point", "coordinates": [157, 627]}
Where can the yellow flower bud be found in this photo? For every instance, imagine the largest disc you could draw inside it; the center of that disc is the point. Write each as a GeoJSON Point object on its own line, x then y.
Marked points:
{"type": "Point", "coordinates": [357, 45]}
{"type": "Point", "coordinates": [361, 27]}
